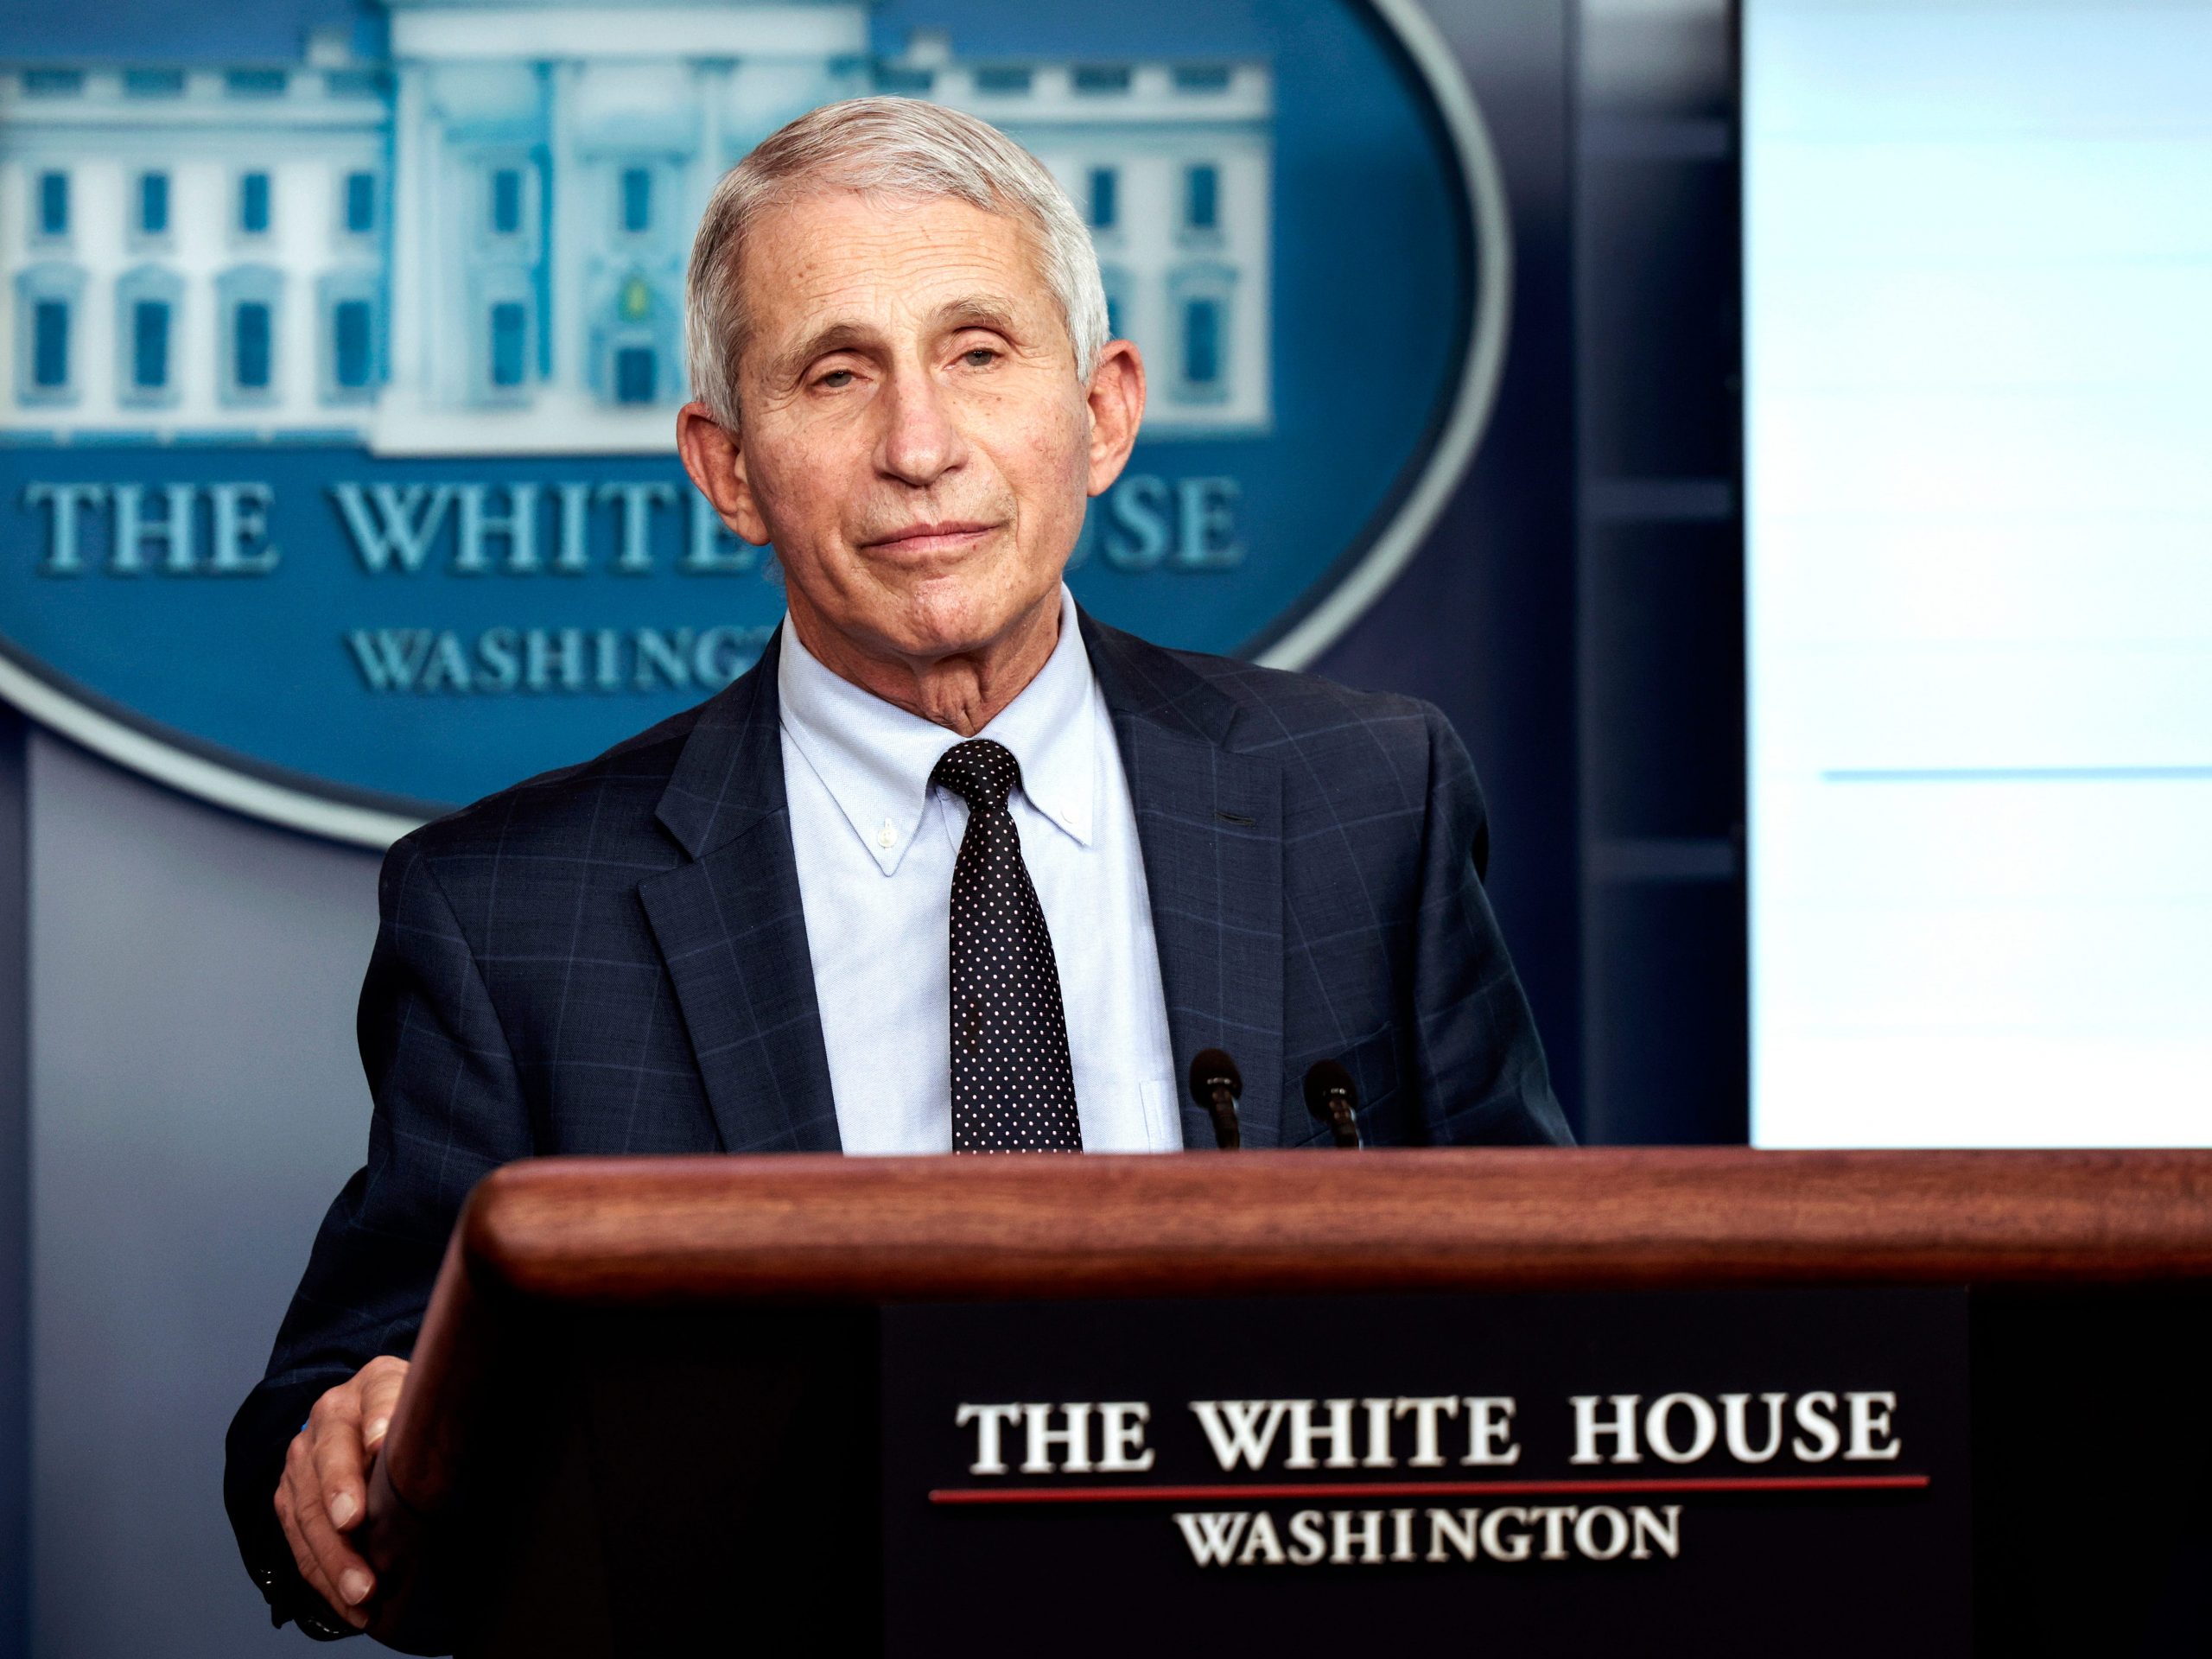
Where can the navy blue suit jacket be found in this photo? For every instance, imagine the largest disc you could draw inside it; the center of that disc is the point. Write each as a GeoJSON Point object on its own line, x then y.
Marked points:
{"type": "Point", "coordinates": [611, 959]}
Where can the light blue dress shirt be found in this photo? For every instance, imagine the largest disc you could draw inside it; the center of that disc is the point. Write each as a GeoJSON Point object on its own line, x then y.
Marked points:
{"type": "Point", "coordinates": [875, 847]}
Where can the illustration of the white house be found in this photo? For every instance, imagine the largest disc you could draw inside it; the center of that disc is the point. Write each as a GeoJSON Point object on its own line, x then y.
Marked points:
{"type": "Point", "coordinates": [478, 244]}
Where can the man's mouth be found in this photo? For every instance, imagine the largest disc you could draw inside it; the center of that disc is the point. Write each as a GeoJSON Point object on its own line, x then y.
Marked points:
{"type": "Point", "coordinates": [940, 535]}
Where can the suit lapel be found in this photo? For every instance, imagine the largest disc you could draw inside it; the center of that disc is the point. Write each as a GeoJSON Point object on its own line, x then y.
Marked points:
{"type": "Point", "coordinates": [1209, 823]}
{"type": "Point", "coordinates": [732, 932]}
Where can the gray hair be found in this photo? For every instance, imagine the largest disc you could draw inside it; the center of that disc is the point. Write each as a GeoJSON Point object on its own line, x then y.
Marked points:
{"type": "Point", "coordinates": [900, 147]}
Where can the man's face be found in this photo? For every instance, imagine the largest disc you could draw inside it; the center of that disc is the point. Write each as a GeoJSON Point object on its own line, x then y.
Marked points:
{"type": "Point", "coordinates": [914, 438]}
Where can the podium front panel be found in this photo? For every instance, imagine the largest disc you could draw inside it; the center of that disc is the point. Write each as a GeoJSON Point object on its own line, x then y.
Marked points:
{"type": "Point", "coordinates": [1752, 1472]}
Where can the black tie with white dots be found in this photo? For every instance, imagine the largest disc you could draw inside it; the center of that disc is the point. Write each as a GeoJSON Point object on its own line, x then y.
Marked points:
{"type": "Point", "coordinates": [1012, 1086]}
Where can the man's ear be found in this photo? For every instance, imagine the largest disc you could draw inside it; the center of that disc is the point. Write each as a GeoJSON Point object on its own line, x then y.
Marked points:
{"type": "Point", "coordinates": [1116, 400]}
{"type": "Point", "coordinates": [715, 460]}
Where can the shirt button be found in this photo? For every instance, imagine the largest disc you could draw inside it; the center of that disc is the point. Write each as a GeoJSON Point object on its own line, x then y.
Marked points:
{"type": "Point", "coordinates": [886, 838]}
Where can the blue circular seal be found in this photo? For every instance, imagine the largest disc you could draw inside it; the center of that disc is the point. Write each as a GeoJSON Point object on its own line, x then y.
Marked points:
{"type": "Point", "coordinates": [338, 466]}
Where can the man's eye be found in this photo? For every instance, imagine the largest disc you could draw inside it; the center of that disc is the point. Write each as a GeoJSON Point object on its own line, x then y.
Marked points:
{"type": "Point", "coordinates": [836, 379]}
{"type": "Point", "coordinates": [980, 357]}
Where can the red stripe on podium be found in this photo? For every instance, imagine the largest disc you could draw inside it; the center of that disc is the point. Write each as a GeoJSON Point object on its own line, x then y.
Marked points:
{"type": "Point", "coordinates": [1423, 1488]}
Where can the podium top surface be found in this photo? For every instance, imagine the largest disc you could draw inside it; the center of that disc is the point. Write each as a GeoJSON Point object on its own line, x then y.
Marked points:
{"type": "Point", "coordinates": [829, 1227]}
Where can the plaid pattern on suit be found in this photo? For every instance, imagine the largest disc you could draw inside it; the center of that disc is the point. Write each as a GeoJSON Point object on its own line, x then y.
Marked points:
{"type": "Point", "coordinates": [611, 958]}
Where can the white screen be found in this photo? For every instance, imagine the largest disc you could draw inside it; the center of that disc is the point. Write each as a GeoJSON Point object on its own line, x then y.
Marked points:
{"type": "Point", "coordinates": [1978, 466]}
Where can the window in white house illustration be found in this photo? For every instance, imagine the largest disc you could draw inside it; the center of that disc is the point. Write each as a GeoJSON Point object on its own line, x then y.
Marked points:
{"type": "Point", "coordinates": [1200, 295]}
{"type": "Point", "coordinates": [1202, 198]}
{"type": "Point", "coordinates": [1202, 341]}
{"type": "Point", "coordinates": [349, 344]}
{"type": "Point", "coordinates": [253, 204]}
{"type": "Point", "coordinates": [256, 83]}
{"type": "Point", "coordinates": [506, 201]}
{"type": "Point", "coordinates": [153, 83]}
{"type": "Point", "coordinates": [153, 204]}
{"type": "Point", "coordinates": [251, 345]}
{"type": "Point", "coordinates": [633, 375]}
{"type": "Point", "coordinates": [1097, 77]}
{"type": "Point", "coordinates": [149, 345]}
{"type": "Point", "coordinates": [506, 329]}
{"type": "Point", "coordinates": [147, 299]}
{"type": "Point", "coordinates": [53, 204]}
{"type": "Point", "coordinates": [350, 304]}
{"type": "Point", "coordinates": [510, 342]}
{"type": "Point", "coordinates": [246, 307]}
{"type": "Point", "coordinates": [50, 359]}
{"type": "Point", "coordinates": [359, 204]}
{"type": "Point", "coordinates": [1201, 77]}
{"type": "Point", "coordinates": [1105, 193]}
{"type": "Point", "coordinates": [46, 316]}
{"type": "Point", "coordinates": [637, 199]}
{"type": "Point", "coordinates": [1003, 78]}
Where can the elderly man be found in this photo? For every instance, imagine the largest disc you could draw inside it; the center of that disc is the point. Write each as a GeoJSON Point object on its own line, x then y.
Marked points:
{"type": "Point", "coordinates": [955, 866]}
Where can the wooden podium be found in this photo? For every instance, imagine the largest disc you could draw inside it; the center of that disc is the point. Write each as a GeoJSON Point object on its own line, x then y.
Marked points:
{"type": "Point", "coordinates": [660, 1404]}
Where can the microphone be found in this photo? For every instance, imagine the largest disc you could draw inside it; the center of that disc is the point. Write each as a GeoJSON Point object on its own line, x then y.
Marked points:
{"type": "Point", "coordinates": [1331, 1096]}
{"type": "Point", "coordinates": [1215, 1085]}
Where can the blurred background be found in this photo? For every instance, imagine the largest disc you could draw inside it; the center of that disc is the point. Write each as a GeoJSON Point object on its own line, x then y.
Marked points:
{"type": "Point", "coordinates": [1775, 433]}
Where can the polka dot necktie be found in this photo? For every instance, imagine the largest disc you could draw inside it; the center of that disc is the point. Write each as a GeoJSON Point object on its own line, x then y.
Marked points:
{"type": "Point", "coordinates": [1012, 1086]}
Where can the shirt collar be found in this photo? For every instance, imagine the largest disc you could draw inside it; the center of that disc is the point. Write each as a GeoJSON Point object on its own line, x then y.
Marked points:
{"type": "Point", "coordinates": [875, 758]}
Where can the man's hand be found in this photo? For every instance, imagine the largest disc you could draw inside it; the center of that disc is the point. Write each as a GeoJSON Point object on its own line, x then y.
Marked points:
{"type": "Point", "coordinates": [325, 1490]}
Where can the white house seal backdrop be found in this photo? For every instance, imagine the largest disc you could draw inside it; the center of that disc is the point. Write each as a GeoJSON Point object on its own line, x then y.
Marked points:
{"type": "Point", "coordinates": [337, 455]}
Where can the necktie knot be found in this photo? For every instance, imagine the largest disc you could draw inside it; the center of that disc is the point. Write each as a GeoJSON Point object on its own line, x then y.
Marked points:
{"type": "Point", "coordinates": [979, 772]}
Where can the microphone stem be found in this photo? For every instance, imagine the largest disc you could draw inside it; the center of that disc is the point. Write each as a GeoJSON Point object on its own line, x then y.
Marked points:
{"type": "Point", "coordinates": [1227, 1133]}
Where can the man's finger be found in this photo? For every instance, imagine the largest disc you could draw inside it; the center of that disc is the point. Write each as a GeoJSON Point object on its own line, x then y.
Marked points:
{"type": "Point", "coordinates": [311, 1572]}
{"type": "Point", "coordinates": [337, 1457]}
{"type": "Point", "coordinates": [380, 1388]}
{"type": "Point", "coordinates": [347, 1580]}
{"type": "Point", "coordinates": [320, 1554]}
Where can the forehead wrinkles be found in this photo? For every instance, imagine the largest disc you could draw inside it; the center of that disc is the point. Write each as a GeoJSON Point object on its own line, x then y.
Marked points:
{"type": "Point", "coordinates": [814, 259]}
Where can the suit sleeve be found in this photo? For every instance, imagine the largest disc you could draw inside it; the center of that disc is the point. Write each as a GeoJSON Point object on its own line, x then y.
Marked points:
{"type": "Point", "coordinates": [449, 1108]}
{"type": "Point", "coordinates": [1480, 1064]}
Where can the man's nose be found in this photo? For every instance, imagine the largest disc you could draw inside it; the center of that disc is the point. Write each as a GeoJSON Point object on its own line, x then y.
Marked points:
{"type": "Point", "coordinates": [921, 441]}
